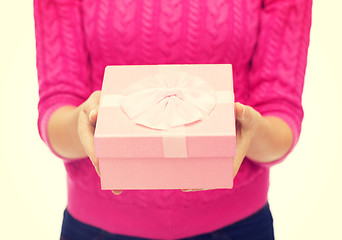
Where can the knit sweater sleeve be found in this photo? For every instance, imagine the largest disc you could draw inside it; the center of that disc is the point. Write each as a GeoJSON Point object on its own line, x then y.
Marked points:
{"type": "Point", "coordinates": [279, 63]}
{"type": "Point", "coordinates": [62, 65]}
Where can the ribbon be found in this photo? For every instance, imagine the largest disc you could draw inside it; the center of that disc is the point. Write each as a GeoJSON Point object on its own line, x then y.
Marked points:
{"type": "Point", "coordinates": [166, 101]}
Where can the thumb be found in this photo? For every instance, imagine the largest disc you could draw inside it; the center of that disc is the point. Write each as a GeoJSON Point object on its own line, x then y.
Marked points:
{"type": "Point", "coordinates": [93, 115]}
{"type": "Point", "coordinates": [240, 112]}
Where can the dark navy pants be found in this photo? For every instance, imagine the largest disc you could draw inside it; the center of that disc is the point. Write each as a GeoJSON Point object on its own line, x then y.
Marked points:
{"type": "Point", "coordinates": [259, 226]}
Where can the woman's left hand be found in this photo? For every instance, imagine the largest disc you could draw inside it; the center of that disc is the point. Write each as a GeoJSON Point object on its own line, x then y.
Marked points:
{"type": "Point", "coordinates": [247, 121]}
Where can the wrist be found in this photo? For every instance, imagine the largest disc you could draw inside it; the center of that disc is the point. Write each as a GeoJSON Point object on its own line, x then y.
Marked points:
{"type": "Point", "coordinates": [271, 140]}
{"type": "Point", "coordinates": [63, 134]}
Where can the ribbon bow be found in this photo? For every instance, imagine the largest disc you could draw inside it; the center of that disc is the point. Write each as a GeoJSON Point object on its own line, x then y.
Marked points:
{"type": "Point", "coordinates": [166, 101]}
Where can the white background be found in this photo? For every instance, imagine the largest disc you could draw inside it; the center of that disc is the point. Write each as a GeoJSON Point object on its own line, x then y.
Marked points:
{"type": "Point", "coordinates": [305, 193]}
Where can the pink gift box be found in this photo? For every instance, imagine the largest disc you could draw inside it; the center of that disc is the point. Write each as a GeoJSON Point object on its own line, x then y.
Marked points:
{"type": "Point", "coordinates": [168, 154]}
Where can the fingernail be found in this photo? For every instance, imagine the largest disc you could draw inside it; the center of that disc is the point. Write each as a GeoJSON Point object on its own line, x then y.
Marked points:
{"type": "Point", "coordinates": [117, 192]}
{"type": "Point", "coordinates": [243, 110]}
{"type": "Point", "coordinates": [91, 114]}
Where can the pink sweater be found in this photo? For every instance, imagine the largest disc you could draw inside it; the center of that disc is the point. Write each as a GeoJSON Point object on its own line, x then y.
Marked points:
{"type": "Point", "coordinates": [265, 40]}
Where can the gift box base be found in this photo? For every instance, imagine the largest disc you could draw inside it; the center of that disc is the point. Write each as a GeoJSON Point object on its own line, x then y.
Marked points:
{"type": "Point", "coordinates": [166, 173]}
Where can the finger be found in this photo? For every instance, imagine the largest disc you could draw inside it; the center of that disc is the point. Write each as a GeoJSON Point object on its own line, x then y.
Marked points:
{"type": "Point", "coordinates": [187, 190]}
{"type": "Point", "coordinates": [117, 192]}
{"type": "Point", "coordinates": [196, 190]}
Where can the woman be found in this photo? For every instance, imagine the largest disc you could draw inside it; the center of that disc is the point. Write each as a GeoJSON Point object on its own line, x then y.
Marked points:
{"type": "Point", "coordinates": [266, 41]}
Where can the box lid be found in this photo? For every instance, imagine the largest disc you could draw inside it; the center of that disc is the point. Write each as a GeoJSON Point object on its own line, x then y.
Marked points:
{"type": "Point", "coordinates": [118, 136]}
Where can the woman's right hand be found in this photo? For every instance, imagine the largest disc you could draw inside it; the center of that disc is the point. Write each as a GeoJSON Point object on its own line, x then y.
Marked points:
{"type": "Point", "coordinates": [86, 128]}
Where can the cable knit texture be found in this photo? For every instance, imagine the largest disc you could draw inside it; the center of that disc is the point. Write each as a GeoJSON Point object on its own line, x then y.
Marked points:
{"type": "Point", "coordinates": [265, 40]}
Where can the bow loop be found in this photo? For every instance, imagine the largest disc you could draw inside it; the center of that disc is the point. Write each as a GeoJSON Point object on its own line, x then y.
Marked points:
{"type": "Point", "coordinates": [166, 101]}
